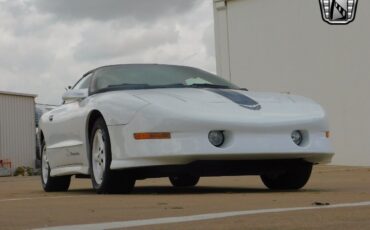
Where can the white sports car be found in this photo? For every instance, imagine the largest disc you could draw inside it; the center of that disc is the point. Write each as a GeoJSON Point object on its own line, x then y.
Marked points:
{"type": "Point", "coordinates": [122, 123]}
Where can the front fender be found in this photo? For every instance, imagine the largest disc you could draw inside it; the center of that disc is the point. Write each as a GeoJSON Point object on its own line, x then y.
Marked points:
{"type": "Point", "coordinates": [117, 108]}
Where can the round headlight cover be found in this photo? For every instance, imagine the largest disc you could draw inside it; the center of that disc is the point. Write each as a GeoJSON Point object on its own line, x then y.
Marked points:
{"type": "Point", "coordinates": [297, 137]}
{"type": "Point", "coordinates": [216, 138]}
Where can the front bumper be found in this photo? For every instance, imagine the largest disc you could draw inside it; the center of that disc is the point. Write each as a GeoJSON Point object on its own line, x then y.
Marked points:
{"type": "Point", "coordinates": [241, 144]}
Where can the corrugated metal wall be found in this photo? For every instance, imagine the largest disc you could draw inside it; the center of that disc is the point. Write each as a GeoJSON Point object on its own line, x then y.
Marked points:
{"type": "Point", "coordinates": [17, 129]}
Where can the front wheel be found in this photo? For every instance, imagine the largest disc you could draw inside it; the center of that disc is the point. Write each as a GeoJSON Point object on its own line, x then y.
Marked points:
{"type": "Point", "coordinates": [294, 178]}
{"type": "Point", "coordinates": [51, 184]}
{"type": "Point", "coordinates": [184, 180]}
{"type": "Point", "coordinates": [104, 179]}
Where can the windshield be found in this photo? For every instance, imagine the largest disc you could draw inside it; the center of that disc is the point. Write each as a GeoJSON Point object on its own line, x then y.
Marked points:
{"type": "Point", "coordinates": [150, 76]}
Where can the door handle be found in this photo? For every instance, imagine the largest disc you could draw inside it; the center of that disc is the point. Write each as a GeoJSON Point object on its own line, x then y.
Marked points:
{"type": "Point", "coordinates": [51, 117]}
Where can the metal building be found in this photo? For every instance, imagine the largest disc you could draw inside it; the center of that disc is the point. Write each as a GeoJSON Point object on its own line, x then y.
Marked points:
{"type": "Point", "coordinates": [17, 129]}
{"type": "Point", "coordinates": [285, 46]}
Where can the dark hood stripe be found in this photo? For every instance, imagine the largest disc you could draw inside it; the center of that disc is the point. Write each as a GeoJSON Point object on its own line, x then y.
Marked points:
{"type": "Point", "coordinates": [238, 98]}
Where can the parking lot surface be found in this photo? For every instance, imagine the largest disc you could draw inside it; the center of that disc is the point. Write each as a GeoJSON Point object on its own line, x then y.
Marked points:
{"type": "Point", "coordinates": [335, 198]}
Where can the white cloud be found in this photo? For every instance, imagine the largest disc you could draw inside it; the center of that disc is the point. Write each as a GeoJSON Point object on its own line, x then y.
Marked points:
{"type": "Point", "coordinates": [42, 50]}
{"type": "Point", "coordinates": [107, 41]}
{"type": "Point", "coordinates": [142, 10]}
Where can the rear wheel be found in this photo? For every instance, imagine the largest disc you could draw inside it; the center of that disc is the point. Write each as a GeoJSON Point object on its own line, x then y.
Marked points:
{"type": "Point", "coordinates": [104, 179]}
{"type": "Point", "coordinates": [51, 184]}
{"type": "Point", "coordinates": [294, 178]}
{"type": "Point", "coordinates": [184, 180]}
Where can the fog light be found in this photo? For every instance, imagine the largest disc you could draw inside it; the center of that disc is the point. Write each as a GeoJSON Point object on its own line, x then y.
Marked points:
{"type": "Point", "coordinates": [216, 138]}
{"type": "Point", "coordinates": [297, 137]}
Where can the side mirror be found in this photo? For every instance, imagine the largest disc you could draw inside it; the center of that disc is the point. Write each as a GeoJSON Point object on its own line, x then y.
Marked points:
{"type": "Point", "coordinates": [75, 94]}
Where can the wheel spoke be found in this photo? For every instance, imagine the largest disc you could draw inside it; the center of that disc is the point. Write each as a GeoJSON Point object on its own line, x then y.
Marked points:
{"type": "Point", "coordinates": [98, 151]}
{"type": "Point", "coordinates": [96, 156]}
{"type": "Point", "coordinates": [45, 165]}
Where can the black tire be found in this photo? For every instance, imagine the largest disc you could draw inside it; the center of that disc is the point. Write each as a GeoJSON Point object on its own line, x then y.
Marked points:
{"type": "Point", "coordinates": [294, 178]}
{"type": "Point", "coordinates": [184, 180]}
{"type": "Point", "coordinates": [53, 184]}
{"type": "Point", "coordinates": [112, 181]}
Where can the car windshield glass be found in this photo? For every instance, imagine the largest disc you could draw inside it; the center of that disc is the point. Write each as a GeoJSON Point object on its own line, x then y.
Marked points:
{"type": "Point", "coordinates": [147, 76]}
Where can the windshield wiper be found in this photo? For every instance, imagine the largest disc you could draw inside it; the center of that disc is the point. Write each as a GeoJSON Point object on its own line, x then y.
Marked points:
{"type": "Point", "coordinates": [146, 86]}
{"type": "Point", "coordinates": [177, 85]}
{"type": "Point", "coordinates": [124, 86]}
{"type": "Point", "coordinates": [205, 85]}
{"type": "Point", "coordinates": [129, 86]}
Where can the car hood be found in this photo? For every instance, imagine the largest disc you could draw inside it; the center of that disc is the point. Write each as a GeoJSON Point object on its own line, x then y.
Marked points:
{"type": "Point", "coordinates": [211, 96]}
{"type": "Point", "coordinates": [179, 106]}
{"type": "Point", "coordinates": [216, 102]}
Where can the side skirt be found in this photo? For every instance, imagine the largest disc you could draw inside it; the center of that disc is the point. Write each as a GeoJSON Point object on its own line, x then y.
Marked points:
{"type": "Point", "coordinates": [69, 170]}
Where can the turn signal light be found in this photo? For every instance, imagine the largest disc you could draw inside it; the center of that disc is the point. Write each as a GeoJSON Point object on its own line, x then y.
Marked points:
{"type": "Point", "coordinates": [147, 136]}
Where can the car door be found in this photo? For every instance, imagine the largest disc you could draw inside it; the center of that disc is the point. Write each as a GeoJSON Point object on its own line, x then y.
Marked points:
{"type": "Point", "coordinates": [66, 131]}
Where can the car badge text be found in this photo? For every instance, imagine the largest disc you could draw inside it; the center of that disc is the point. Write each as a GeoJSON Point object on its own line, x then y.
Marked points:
{"type": "Point", "coordinates": [338, 12]}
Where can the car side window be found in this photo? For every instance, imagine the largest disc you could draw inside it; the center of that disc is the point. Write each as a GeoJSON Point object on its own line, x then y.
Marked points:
{"type": "Point", "coordinates": [84, 83]}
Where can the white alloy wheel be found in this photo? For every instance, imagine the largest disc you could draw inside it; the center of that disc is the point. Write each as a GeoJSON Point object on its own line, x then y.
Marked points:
{"type": "Point", "coordinates": [105, 180]}
{"type": "Point", "coordinates": [51, 184]}
{"type": "Point", "coordinates": [98, 156]}
{"type": "Point", "coordinates": [45, 165]}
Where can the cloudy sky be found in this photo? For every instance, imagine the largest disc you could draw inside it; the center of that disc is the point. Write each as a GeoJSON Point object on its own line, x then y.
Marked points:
{"type": "Point", "coordinates": [46, 45]}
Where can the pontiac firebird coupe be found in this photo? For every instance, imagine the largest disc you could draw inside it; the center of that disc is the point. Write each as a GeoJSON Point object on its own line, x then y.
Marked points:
{"type": "Point", "coordinates": [122, 123]}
